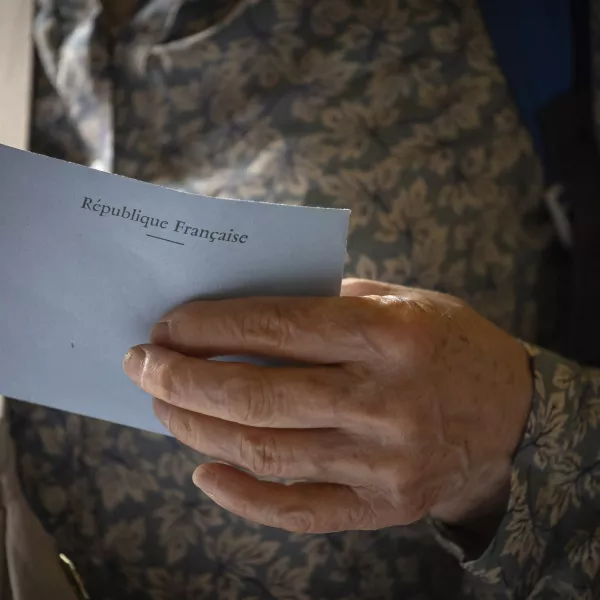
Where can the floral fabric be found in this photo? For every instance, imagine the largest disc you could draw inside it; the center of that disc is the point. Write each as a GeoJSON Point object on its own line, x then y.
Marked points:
{"type": "Point", "coordinates": [393, 108]}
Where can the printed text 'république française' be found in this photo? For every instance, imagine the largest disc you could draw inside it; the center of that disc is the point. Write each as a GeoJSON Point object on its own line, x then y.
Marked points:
{"type": "Point", "coordinates": [136, 215]}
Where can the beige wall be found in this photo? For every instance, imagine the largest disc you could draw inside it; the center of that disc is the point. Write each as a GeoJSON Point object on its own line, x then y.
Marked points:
{"type": "Point", "coordinates": [15, 71]}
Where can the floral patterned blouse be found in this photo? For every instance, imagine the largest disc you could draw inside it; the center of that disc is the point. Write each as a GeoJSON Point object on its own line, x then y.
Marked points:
{"type": "Point", "coordinates": [393, 108]}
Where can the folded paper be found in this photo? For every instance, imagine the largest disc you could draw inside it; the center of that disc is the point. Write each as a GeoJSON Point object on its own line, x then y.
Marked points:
{"type": "Point", "coordinates": [90, 260]}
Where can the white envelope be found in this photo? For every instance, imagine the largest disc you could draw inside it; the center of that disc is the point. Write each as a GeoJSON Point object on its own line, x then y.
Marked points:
{"type": "Point", "coordinates": [89, 261]}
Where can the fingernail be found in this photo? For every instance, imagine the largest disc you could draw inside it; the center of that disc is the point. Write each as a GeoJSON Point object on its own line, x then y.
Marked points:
{"type": "Point", "coordinates": [133, 363]}
{"type": "Point", "coordinates": [205, 480]}
{"type": "Point", "coordinates": [161, 410]}
{"type": "Point", "coordinates": [161, 334]}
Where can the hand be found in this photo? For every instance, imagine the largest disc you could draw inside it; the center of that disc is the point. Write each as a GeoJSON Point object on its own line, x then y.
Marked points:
{"type": "Point", "coordinates": [409, 404]}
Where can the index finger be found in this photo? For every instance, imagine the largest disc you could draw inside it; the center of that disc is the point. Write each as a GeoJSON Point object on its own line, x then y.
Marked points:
{"type": "Point", "coordinates": [321, 330]}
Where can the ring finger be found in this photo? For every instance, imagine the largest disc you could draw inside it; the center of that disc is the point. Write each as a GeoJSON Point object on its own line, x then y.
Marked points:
{"type": "Point", "coordinates": [297, 454]}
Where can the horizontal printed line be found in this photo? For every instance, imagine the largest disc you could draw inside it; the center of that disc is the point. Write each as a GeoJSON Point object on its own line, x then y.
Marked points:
{"type": "Point", "coordinates": [165, 239]}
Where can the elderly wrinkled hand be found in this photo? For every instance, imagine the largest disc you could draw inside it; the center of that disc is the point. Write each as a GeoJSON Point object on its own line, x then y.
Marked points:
{"type": "Point", "coordinates": [406, 404]}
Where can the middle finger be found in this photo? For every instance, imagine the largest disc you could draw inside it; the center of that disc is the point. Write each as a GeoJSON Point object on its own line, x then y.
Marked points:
{"type": "Point", "coordinates": [284, 397]}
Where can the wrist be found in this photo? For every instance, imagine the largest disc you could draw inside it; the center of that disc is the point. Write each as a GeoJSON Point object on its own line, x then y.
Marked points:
{"type": "Point", "coordinates": [486, 488]}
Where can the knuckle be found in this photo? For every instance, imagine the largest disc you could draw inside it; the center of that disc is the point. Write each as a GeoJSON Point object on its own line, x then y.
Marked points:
{"type": "Point", "coordinates": [359, 318]}
{"type": "Point", "coordinates": [390, 328]}
{"type": "Point", "coordinates": [405, 481]}
{"type": "Point", "coordinates": [419, 347]}
{"type": "Point", "coordinates": [258, 453]}
{"type": "Point", "coordinates": [412, 493]}
{"type": "Point", "coordinates": [411, 423]}
{"type": "Point", "coordinates": [416, 507]}
{"type": "Point", "coordinates": [360, 516]}
{"type": "Point", "coordinates": [260, 400]}
{"type": "Point", "coordinates": [249, 399]}
{"type": "Point", "coordinates": [419, 332]}
{"type": "Point", "coordinates": [180, 424]}
{"type": "Point", "coordinates": [266, 326]}
{"type": "Point", "coordinates": [431, 325]}
{"type": "Point", "coordinates": [298, 521]}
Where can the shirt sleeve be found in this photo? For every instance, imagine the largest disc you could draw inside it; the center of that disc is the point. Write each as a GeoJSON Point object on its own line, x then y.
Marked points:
{"type": "Point", "coordinates": [548, 542]}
